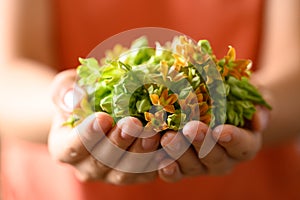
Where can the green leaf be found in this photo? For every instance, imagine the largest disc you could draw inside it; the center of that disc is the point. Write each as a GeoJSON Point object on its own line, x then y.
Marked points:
{"type": "Point", "coordinates": [176, 121]}
{"type": "Point", "coordinates": [143, 105]}
{"type": "Point", "coordinates": [106, 104]}
{"type": "Point", "coordinates": [121, 86]}
{"type": "Point", "coordinates": [244, 90]}
{"type": "Point", "coordinates": [139, 43]}
{"type": "Point", "coordinates": [88, 71]}
{"type": "Point", "coordinates": [205, 46]}
{"type": "Point", "coordinates": [72, 119]}
{"type": "Point", "coordinates": [249, 109]}
{"type": "Point", "coordinates": [122, 100]}
{"type": "Point", "coordinates": [238, 92]}
{"type": "Point", "coordinates": [230, 114]}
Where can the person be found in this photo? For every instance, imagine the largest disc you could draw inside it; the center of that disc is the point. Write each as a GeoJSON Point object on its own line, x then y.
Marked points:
{"type": "Point", "coordinates": [36, 40]}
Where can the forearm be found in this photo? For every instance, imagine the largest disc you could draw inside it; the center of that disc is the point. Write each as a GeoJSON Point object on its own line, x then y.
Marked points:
{"type": "Point", "coordinates": [26, 108]}
{"type": "Point", "coordinates": [284, 96]}
{"type": "Point", "coordinates": [27, 48]}
{"type": "Point", "coordinates": [280, 68]}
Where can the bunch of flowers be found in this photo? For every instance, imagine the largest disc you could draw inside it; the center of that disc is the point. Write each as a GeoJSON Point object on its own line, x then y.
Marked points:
{"type": "Point", "coordinates": [167, 86]}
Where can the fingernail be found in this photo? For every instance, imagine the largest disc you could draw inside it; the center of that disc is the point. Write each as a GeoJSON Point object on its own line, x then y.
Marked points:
{"type": "Point", "coordinates": [72, 99]}
{"type": "Point", "coordinates": [149, 143]}
{"type": "Point", "coordinates": [125, 136]}
{"type": "Point", "coordinates": [130, 127]}
{"type": "Point", "coordinates": [96, 126]}
{"type": "Point", "coordinates": [168, 170]}
{"type": "Point", "coordinates": [104, 127]}
{"type": "Point", "coordinates": [219, 135]}
{"type": "Point", "coordinates": [217, 132]}
{"type": "Point", "coordinates": [194, 131]}
{"type": "Point", "coordinates": [189, 136]}
{"type": "Point", "coordinates": [170, 142]}
{"type": "Point", "coordinates": [264, 118]}
{"type": "Point", "coordinates": [73, 154]}
{"type": "Point", "coordinates": [166, 139]}
{"type": "Point", "coordinates": [225, 138]}
{"type": "Point", "coordinates": [194, 136]}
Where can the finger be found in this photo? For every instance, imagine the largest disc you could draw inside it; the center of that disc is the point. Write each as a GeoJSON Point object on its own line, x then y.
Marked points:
{"type": "Point", "coordinates": [169, 171]}
{"type": "Point", "coordinates": [195, 132]}
{"type": "Point", "coordinates": [146, 144]}
{"type": "Point", "coordinates": [66, 95]}
{"type": "Point", "coordinates": [111, 148]}
{"type": "Point", "coordinates": [105, 153]}
{"type": "Point", "coordinates": [260, 119]}
{"type": "Point", "coordinates": [90, 169]}
{"type": "Point", "coordinates": [71, 145]}
{"type": "Point", "coordinates": [179, 149]}
{"type": "Point", "coordinates": [239, 143]}
{"type": "Point", "coordinates": [139, 157]}
{"type": "Point", "coordinates": [143, 164]}
{"type": "Point", "coordinates": [121, 178]}
{"type": "Point", "coordinates": [137, 163]}
{"type": "Point", "coordinates": [216, 161]}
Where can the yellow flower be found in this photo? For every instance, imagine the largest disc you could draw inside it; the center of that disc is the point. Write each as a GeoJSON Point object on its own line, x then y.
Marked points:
{"type": "Point", "coordinates": [170, 73]}
{"type": "Point", "coordinates": [179, 62]}
{"type": "Point", "coordinates": [164, 68]}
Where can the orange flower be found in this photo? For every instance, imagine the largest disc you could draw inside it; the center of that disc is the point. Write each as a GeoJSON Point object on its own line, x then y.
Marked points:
{"type": "Point", "coordinates": [196, 107]}
{"type": "Point", "coordinates": [205, 118]}
{"type": "Point", "coordinates": [165, 100]}
{"type": "Point", "coordinates": [156, 121]}
{"type": "Point", "coordinates": [236, 68]}
{"type": "Point", "coordinates": [225, 71]}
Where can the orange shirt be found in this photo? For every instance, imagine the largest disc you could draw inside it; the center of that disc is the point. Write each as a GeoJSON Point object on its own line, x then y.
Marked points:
{"type": "Point", "coordinates": [84, 24]}
{"type": "Point", "coordinates": [29, 173]}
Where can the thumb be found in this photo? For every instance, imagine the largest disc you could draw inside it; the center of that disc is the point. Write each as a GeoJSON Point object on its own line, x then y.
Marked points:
{"type": "Point", "coordinates": [260, 119]}
{"type": "Point", "coordinates": [66, 95]}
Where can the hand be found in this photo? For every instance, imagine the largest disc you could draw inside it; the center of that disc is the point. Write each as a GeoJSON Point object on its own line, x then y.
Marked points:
{"type": "Point", "coordinates": [233, 145]}
{"type": "Point", "coordinates": [85, 145]}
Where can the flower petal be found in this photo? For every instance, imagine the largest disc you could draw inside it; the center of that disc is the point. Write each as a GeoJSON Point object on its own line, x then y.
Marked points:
{"type": "Point", "coordinates": [171, 99]}
{"type": "Point", "coordinates": [154, 99]}
{"type": "Point", "coordinates": [205, 118]}
{"type": "Point", "coordinates": [164, 69]}
{"type": "Point", "coordinates": [164, 95]}
{"type": "Point", "coordinates": [148, 116]}
{"type": "Point", "coordinates": [231, 53]}
{"type": "Point", "coordinates": [169, 108]}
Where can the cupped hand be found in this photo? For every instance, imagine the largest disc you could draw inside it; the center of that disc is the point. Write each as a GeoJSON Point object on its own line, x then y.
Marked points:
{"type": "Point", "coordinates": [225, 146]}
{"type": "Point", "coordinates": [96, 148]}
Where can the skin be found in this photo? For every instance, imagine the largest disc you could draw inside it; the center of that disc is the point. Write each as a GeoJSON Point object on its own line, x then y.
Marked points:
{"type": "Point", "coordinates": [234, 145]}
{"type": "Point", "coordinates": [26, 57]}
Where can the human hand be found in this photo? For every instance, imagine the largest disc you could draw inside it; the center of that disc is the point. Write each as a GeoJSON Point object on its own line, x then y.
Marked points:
{"type": "Point", "coordinates": [230, 146]}
{"type": "Point", "coordinates": [79, 146]}
{"type": "Point", "coordinates": [88, 147]}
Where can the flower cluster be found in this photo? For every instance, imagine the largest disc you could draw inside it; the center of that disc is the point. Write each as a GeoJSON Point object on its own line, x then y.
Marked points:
{"type": "Point", "coordinates": [166, 87]}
